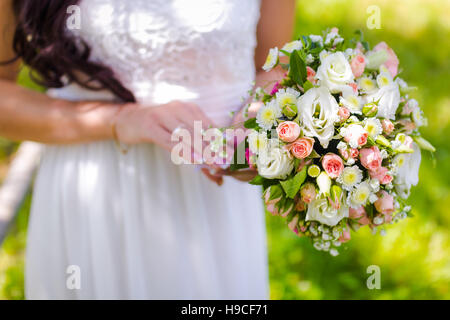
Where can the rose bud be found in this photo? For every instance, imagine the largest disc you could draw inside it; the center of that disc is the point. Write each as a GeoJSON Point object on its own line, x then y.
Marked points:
{"type": "Point", "coordinates": [308, 192]}
{"type": "Point", "coordinates": [370, 109]}
{"type": "Point", "coordinates": [385, 203]}
{"type": "Point", "coordinates": [371, 158]}
{"type": "Point", "coordinates": [353, 152]}
{"type": "Point", "coordinates": [388, 126]}
{"type": "Point", "coordinates": [333, 165]}
{"type": "Point", "coordinates": [289, 110]}
{"type": "Point", "coordinates": [343, 113]}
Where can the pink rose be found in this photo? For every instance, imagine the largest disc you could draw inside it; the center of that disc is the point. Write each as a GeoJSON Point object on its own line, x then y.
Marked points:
{"type": "Point", "coordinates": [385, 203]}
{"type": "Point", "coordinates": [301, 148]}
{"type": "Point", "coordinates": [288, 131]}
{"type": "Point", "coordinates": [356, 213]}
{"type": "Point", "coordinates": [343, 113]}
{"type": "Point", "coordinates": [333, 165]}
{"type": "Point", "coordinates": [388, 126]}
{"type": "Point", "coordinates": [356, 135]}
{"type": "Point", "coordinates": [370, 158]}
{"type": "Point", "coordinates": [381, 175]}
{"type": "Point", "coordinates": [310, 74]}
{"type": "Point", "coordinates": [308, 192]}
{"type": "Point", "coordinates": [392, 62]}
{"type": "Point", "coordinates": [345, 153]}
{"type": "Point", "coordinates": [359, 215]}
{"type": "Point", "coordinates": [358, 64]}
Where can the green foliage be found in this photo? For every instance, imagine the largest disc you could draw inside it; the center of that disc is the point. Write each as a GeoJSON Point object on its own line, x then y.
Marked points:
{"type": "Point", "coordinates": [292, 186]}
{"type": "Point", "coordinates": [297, 68]}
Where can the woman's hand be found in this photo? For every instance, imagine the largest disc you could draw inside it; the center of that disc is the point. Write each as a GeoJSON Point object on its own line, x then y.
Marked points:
{"type": "Point", "coordinates": [244, 175]}
{"type": "Point", "coordinates": [136, 123]}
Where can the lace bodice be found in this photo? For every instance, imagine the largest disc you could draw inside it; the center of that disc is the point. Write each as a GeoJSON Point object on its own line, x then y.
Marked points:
{"type": "Point", "coordinates": [174, 49]}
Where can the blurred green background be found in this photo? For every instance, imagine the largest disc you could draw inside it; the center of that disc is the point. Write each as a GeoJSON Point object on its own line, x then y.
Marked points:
{"type": "Point", "coordinates": [414, 256]}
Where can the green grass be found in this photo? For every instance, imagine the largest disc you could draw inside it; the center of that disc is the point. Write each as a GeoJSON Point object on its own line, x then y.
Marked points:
{"type": "Point", "coordinates": [414, 255]}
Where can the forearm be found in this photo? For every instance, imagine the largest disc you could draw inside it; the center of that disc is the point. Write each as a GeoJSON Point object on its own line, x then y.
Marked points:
{"type": "Point", "coordinates": [29, 115]}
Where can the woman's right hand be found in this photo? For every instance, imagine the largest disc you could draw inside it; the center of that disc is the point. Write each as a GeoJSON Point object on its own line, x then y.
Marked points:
{"type": "Point", "coordinates": [136, 123]}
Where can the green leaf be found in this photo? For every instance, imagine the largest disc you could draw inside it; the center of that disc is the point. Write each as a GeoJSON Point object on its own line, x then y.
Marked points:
{"type": "Point", "coordinates": [369, 211]}
{"type": "Point", "coordinates": [285, 52]}
{"type": "Point", "coordinates": [297, 70]}
{"type": "Point", "coordinates": [275, 192]}
{"type": "Point", "coordinates": [268, 183]}
{"type": "Point", "coordinates": [307, 85]}
{"type": "Point", "coordinates": [366, 45]}
{"type": "Point", "coordinates": [257, 181]}
{"type": "Point", "coordinates": [306, 41]}
{"type": "Point", "coordinates": [292, 185]}
{"type": "Point", "coordinates": [251, 124]}
{"type": "Point", "coordinates": [238, 164]}
{"type": "Point", "coordinates": [314, 154]}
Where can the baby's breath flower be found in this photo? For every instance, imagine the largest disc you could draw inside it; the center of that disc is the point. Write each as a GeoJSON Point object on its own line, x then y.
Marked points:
{"type": "Point", "coordinates": [334, 252]}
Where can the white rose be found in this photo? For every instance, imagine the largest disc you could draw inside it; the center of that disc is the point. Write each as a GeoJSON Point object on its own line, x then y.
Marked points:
{"type": "Point", "coordinates": [389, 99]}
{"type": "Point", "coordinates": [335, 72]}
{"type": "Point", "coordinates": [319, 210]}
{"type": "Point", "coordinates": [275, 163]}
{"type": "Point", "coordinates": [318, 113]}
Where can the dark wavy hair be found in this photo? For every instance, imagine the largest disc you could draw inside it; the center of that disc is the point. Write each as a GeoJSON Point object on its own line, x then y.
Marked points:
{"type": "Point", "coordinates": [41, 41]}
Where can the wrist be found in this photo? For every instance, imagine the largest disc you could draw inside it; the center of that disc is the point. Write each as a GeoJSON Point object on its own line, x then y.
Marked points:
{"type": "Point", "coordinates": [94, 120]}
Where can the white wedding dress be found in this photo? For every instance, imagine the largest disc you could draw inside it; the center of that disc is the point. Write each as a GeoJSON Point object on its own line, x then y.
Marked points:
{"type": "Point", "coordinates": [136, 226]}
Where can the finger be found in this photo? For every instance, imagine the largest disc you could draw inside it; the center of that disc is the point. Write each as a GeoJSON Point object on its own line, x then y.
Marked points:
{"type": "Point", "coordinates": [217, 179]}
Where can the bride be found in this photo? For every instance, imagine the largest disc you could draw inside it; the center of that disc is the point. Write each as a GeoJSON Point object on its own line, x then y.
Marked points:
{"type": "Point", "coordinates": [112, 217]}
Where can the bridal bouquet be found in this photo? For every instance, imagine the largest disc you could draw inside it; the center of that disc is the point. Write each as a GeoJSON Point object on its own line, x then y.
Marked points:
{"type": "Point", "coordinates": [336, 143]}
